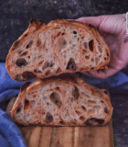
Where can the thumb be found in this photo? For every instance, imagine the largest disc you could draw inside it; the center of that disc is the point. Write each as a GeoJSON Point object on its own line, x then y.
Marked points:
{"type": "Point", "coordinates": [102, 74]}
{"type": "Point", "coordinates": [95, 20]}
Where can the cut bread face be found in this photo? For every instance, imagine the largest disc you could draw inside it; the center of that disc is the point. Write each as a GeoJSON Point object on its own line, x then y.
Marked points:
{"type": "Point", "coordinates": [62, 102]}
{"type": "Point", "coordinates": [61, 46]}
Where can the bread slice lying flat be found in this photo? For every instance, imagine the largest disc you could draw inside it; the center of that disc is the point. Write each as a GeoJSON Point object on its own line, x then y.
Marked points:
{"type": "Point", "coordinates": [62, 102]}
{"type": "Point", "coordinates": [61, 46]}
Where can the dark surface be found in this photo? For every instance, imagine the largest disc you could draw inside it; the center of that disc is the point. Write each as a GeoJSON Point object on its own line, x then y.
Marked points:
{"type": "Point", "coordinates": [16, 14]}
{"type": "Point", "coordinates": [120, 119]}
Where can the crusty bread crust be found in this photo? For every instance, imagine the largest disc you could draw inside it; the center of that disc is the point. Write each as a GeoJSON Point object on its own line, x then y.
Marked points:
{"type": "Point", "coordinates": [61, 46]}
{"type": "Point", "coordinates": [85, 105]}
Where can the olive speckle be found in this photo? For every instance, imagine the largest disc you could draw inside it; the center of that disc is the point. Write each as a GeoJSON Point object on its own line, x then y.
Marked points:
{"type": "Point", "coordinates": [26, 104]}
{"type": "Point", "coordinates": [85, 44]}
{"type": "Point", "coordinates": [74, 32]}
{"type": "Point", "coordinates": [91, 45]}
{"type": "Point", "coordinates": [55, 98]}
{"type": "Point", "coordinates": [75, 92]}
{"type": "Point", "coordinates": [21, 62]}
{"type": "Point", "coordinates": [94, 121]}
{"type": "Point", "coordinates": [29, 44]}
{"type": "Point", "coordinates": [28, 75]}
{"type": "Point", "coordinates": [106, 110]}
{"type": "Point", "coordinates": [49, 118]}
{"type": "Point", "coordinates": [71, 65]}
{"type": "Point", "coordinates": [47, 64]}
{"type": "Point", "coordinates": [18, 110]}
{"type": "Point", "coordinates": [81, 118]}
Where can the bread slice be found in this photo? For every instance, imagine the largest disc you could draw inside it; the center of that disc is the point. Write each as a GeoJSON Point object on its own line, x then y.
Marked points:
{"type": "Point", "coordinates": [61, 46]}
{"type": "Point", "coordinates": [10, 105]}
{"type": "Point", "coordinates": [62, 102]}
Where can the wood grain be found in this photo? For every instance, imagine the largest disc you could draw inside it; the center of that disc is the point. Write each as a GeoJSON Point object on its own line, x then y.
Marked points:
{"type": "Point", "coordinates": [69, 136]}
{"type": "Point", "coordinates": [37, 136]}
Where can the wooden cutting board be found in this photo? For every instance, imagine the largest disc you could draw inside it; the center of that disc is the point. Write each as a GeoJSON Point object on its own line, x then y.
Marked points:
{"type": "Point", "coordinates": [69, 136]}
{"type": "Point", "coordinates": [66, 136]}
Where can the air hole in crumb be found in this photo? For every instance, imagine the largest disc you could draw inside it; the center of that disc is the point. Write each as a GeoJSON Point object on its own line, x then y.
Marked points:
{"type": "Point", "coordinates": [85, 44]}
{"type": "Point", "coordinates": [37, 71]}
{"type": "Point", "coordinates": [84, 51]}
{"type": "Point", "coordinates": [58, 70]}
{"type": "Point", "coordinates": [106, 110]}
{"type": "Point", "coordinates": [38, 42]}
{"type": "Point", "coordinates": [84, 108]}
{"type": "Point", "coordinates": [92, 68]}
{"type": "Point", "coordinates": [18, 110]}
{"type": "Point", "coordinates": [40, 62]}
{"type": "Point", "coordinates": [25, 86]}
{"type": "Point", "coordinates": [15, 45]}
{"type": "Point", "coordinates": [32, 103]}
{"type": "Point", "coordinates": [105, 58]}
{"type": "Point", "coordinates": [71, 64]}
{"type": "Point", "coordinates": [49, 118]}
{"type": "Point", "coordinates": [94, 121]}
{"type": "Point", "coordinates": [106, 92]}
{"type": "Point", "coordinates": [26, 35]}
{"type": "Point", "coordinates": [27, 75]}
{"type": "Point", "coordinates": [55, 98]}
{"type": "Point", "coordinates": [26, 104]}
{"type": "Point", "coordinates": [91, 102]}
{"type": "Point", "coordinates": [87, 57]}
{"type": "Point", "coordinates": [91, 45]}
{"type": "Point", "coordinates": [107, 54]}
{"type": "Point", "coordinates": [24, 53]}
{"type": "Point", "coordinates": [20, 51]}
{"type": "Point", "coordinates": [77, 112]}
{"type": "Point", "coordinates": [47, 64]}
{"type": "Point", "coordinates": [81, 118]}
{"type": "Point", "coordinates": [74, 32]}
{"type": "Point", "coordinates": [29, 44]}
{"type": "Point", "coordinates": [102, 101]}
{"type": "Point", "coordinates": [75, 92]}
{"type": "Point", "coordinates": [82, 37]}
{"type": "Point", "coordinates": [34, 95]}
{"type": "Point", "coordinates": [47, 72]}
{"type": "Point", "coordinates": [21, 62]}
{"type": "Point", "coordinates": [57, 88]}
{"type": "Point", "coordinates": [61, 122]}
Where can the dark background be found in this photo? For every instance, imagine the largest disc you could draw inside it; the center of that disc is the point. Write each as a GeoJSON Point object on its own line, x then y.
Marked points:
{"type": "Point", "coordinates": [14, 19]}
{"type": "Point", "coordinates": [16, 14]}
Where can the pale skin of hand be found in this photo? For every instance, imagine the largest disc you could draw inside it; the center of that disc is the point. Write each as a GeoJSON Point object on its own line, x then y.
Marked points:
{"type": "Point", "coordinates": [113, 29]}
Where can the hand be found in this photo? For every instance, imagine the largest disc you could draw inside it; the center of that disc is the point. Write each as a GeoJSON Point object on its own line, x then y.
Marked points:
{"type": "Point", "coordinates": [113, 29]}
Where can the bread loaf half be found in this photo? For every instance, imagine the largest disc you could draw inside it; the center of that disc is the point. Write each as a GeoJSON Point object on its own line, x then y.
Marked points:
{"type": "Point", "coordinates": [61, 46]}
{"type": "Point", "coordinates": [62, 102]}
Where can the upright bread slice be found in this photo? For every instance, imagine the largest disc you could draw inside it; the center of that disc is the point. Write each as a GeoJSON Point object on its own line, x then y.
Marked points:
{"type": "Point", "coordinates": [62, 102]}
{"type": "Point", "coordinates": [61, 46]}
